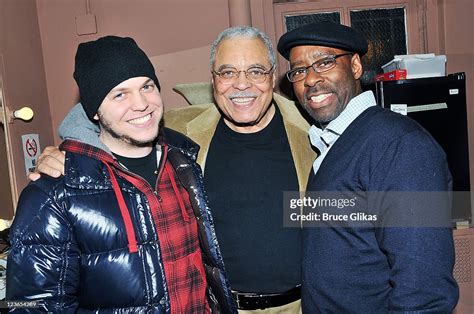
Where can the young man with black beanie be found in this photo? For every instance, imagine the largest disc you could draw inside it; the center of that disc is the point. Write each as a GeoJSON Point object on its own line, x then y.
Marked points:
{"type": "Point", "coordinates": [127, 228]}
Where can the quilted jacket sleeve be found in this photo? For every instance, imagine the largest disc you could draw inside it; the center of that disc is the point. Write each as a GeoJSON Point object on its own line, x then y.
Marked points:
{"type": "Point", "coordinates": [43, 264]}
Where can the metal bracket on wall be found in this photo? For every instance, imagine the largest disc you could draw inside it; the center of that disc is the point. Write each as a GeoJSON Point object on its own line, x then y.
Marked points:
{"type": "Point", "coordinates": [86, 24]}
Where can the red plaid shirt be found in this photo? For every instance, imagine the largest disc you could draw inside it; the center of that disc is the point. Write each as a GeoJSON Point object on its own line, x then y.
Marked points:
{"type": "Point", "coordinates": [176, 227]}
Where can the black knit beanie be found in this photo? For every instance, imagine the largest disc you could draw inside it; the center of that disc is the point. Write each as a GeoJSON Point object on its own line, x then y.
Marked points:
{"type": "Point", "coordinates": [105, 63]}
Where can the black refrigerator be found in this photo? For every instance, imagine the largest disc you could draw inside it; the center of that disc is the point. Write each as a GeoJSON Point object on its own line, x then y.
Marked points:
{"type": "Point", "coordinates": [439, 105]}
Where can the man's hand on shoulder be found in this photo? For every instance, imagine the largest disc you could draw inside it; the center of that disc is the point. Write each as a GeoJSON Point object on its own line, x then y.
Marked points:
{"type": "Point", "coordinates": [50, 162]}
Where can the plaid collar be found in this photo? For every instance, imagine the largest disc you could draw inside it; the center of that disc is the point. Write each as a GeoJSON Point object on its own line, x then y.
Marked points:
{"type": "Point", "coordinates": [86, 150]}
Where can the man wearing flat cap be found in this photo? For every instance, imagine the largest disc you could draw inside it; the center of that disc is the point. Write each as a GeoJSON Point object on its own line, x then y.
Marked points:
{"type": "Point", "coordinates": [367, 267]}
{"type": "Point", "coordinates": [127, 228]}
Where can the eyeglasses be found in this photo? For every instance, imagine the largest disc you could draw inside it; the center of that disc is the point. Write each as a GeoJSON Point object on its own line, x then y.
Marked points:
{"type": "Point", "coordinates": [322, 65]}
{"type": "Point", "coordinates": [254, 74]}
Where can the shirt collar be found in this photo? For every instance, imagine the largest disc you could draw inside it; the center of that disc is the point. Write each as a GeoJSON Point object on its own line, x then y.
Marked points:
{"type": "Point", "coordinates": [336, 127]}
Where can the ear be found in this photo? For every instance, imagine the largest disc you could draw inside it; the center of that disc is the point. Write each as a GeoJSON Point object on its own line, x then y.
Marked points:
{"type": "Point", "coordinates": [96, 117]}
{"type": "Point", "coordinates": [356, 66]}
{"type": "Point", "coordinates": [274, 79]}
{"type": "Point", "coordinates": [214, 89]}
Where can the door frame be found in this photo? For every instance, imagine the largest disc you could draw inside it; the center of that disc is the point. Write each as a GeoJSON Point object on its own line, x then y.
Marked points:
{"type": "Point", "coordinates": [6, 127]}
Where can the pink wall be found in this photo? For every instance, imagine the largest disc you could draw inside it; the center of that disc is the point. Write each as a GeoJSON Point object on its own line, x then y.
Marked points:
{"type": "Point", "coordinates": [459, 49]}
{"type": "Point", "coordinates": [168, 28]}
{"type": "Point", "coordinates": [23, 77]}
{"type": "Point", "coordinates": [39, 53]}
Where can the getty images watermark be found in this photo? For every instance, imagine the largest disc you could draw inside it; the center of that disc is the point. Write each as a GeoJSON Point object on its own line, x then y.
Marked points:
{"type": "Point", "coordinates": [318, 203]}
{"type": "Point", "coordinates": [371, 209]}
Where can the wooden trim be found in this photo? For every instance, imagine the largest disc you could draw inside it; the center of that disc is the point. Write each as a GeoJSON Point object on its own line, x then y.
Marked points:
{"type": "Point", "coordinates": [10, 159]}
{"type": "Point", "coordinates": [417, 16]}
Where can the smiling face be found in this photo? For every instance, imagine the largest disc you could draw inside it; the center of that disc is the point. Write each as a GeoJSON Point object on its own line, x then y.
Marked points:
{"type": "Point", "coordinates": [129, 117]}
{"type": "Point", "coordinates": [246, 105]}
{"type": "Point", "coordinates": [325, 95]}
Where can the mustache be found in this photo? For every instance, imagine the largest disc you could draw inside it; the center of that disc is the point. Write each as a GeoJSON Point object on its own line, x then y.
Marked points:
{"type": "Point", "coordinates": [316, 89]}
{"type": "Point", "coordinates": [242, 94]}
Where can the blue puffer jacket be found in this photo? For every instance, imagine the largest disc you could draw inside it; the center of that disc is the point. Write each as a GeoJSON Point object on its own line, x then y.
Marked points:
{"type": "Point", "coordinates": [69, 239]}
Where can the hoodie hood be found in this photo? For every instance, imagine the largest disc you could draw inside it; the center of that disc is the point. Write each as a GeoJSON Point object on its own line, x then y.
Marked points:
{"type": "Point", "coordinates": [78, 127]}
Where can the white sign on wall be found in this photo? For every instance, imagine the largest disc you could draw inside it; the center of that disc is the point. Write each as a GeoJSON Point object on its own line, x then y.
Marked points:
{"type": "Point", "coordinates": [31, 151]}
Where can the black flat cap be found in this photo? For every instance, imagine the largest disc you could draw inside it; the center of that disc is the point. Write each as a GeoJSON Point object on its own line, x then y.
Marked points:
{"type": "Point", "coordinates": [325, 34]}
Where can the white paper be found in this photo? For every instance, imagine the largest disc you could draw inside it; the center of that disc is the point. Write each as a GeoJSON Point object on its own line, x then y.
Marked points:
{"type": "Point", "coordinates": [399, 108]}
